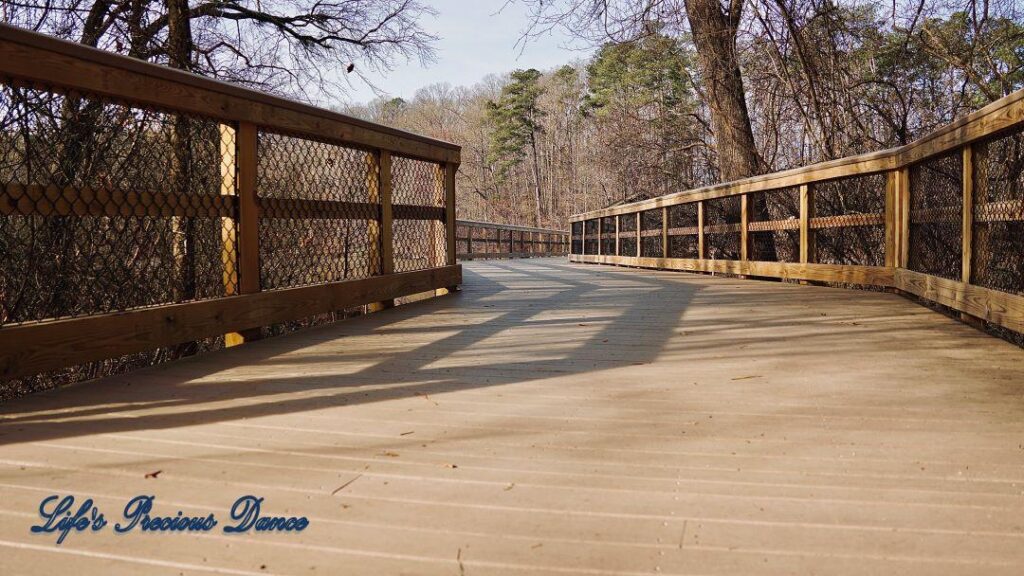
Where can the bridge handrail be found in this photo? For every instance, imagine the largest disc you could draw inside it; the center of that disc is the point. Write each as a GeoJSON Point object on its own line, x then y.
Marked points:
{"type": "Point", "coordinates": [485, 240]}
{"type": "Point", "coordinates": [941, 218]}
{"type": "Point", "coordinates": [143, 207]}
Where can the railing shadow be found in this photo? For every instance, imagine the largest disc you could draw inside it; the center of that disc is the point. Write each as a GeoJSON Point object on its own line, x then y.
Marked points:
{"type": "Point", "coordinates": [465, 345]}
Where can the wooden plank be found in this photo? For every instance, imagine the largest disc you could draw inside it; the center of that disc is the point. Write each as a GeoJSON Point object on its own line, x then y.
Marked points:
{"type": "Point", "coordinates": [868, 275]}
{"type": "Point", "coordinates": [39, 347]}
{"type": "Point", "coordinates": [450, 171]}
{"type": "Point", "coordinates": [664, 232]}
{"type": "Point", "coordinates": [412, 212]}
{"type": "Point", "coordinates": [617, 239]}
{"type": "Point", "coordinates": [807, 254]}
{"type": "Point", "coordinates": [744, 227]}
{"type": "Point", "coordinates": [967, 213]}
{"type": "Point", "coordinates": [228, 226]}
{"type": "Point", "coordinates": [248, 211]}
{"type": "Point", "coordinates": [639, 240]}
{"type": "Point", "coordinates": [18, 199]}
{"type": "Point", "coordinates": [891, 215]}
{"type": "Point", "coordinates": [700, 230]}
{"type": "Point", "coordinates": [387, 234]}
{"type": "Point", "coordinates": [1002, 308]}
{"type": "Point", "coordinates": [54, 62]}
{"type": "Point", "coordinates": [903, 191]}
{"type": "Point", "coordinates": [310, 209]}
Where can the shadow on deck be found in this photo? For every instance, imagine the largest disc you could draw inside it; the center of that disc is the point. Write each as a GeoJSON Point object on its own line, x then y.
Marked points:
{"type": "Point", "coordinates": [554, 417]}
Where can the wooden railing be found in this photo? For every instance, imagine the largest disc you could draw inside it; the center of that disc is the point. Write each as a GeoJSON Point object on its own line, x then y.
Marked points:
{"type": "Point", "coordinates": [143, 207]}
{"type": "Point", "coordinates": [477, 240]}
{"type": "Point", "coordinates": [941, 218]}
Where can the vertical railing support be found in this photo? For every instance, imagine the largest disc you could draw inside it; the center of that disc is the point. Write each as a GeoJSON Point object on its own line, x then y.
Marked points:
{"type": "Point", "coordinates": [664, 232]}
{"type": "Point", "coordinates": [807, 244]}
{"type": "Point", "coordinates": [618, 251]}
{"type": "Point", "coordinates": [639, 238]}
{"type": "Point", "coordinates": [381, 231]}
{"type": "Point", "coordinates": [450, 170]}
{"type": "Point", "coordinates": [744, 225]}
{"type": "Point", "coordinates": [903, 192]}
{"type": "Point", "coordinates": [700, 230]}
{"type": "Point", "coordinates": [967, 229]}
{"type": "Point", "coordinates": [892, 213]}
{"type": "Point", "coordinates": [248, 244]}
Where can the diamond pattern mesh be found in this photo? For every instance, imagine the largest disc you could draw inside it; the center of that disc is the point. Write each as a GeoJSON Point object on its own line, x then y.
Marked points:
{"type": "Point", "coordinates": [418, 197]}
{"type": "Point", "coordinates": [936, 216]}
{"type": "Point", "coordinates": [774, 225]}
{"type": "Point", "coordinates": [998, 243]}
{"type": "Point", "coordinates": [683, 239]}
{"type": "Point", "coordinates": [590, 237]}
{"type": "Point", "coordinates": [317, 212]}
{"type": "Point", "coordinates": [576, 238]}
{"type": "Point", "coordinates": [722, 218]}
{"type": "Point", "coordinates": [627, 234]}
{"type": "Point", "coordinates": [650, 233]}
{"type": "Point", "coordinates": [849, 226]}
{"type": "Point", "coordinates": [608, 235]}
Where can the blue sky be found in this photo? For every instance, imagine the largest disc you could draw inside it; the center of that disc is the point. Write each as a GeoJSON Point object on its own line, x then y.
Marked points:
{"type": "Point", "coordinates": [477, 37]}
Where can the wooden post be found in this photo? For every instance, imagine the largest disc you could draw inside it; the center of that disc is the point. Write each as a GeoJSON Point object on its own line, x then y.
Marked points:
{"type": "Point", "coordinates": [381, 232]}
{"type": "Point", "coordinates": [903, 192]}
{"type": "Point", "coordinates": [450, 170]}
{"type": "Point", "coordinates": [469, 239]}
{"type": "Point", "coordinates": [744, 233]}
{"type": "Point", "coordinates": [891, 218]}
{"type": "Point", "coordinates": [600, 234]}
{"type": "Point", "coordinates": [639, 238]}
{"type": "Point", "coordinates": [807, 244]}
{"type": "Point", "coordinates": [967, 229]}
{"type": "Point", "coordinates": [664, 232]}
{"type": "Point", "coordinates": [618, 251]}
{"type": "Point", "coordinates": [247, 264]}
{"type": "Point", "coordinates": [700, 230]}
{"type": "Point", "coordinates": [228, 229]}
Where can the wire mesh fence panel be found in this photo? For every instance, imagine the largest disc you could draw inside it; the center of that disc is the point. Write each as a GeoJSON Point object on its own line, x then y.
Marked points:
{"type": "Point", "coordinates": [576, 238]}
{"type": "Point", "coordinates": [590, 231]}
{"type": "Point", "coordinates": [722, 218]}
{"type": "Point", "coordinates": [998, 243]}
{"type": "Point", "coordinates": [418, 197]}
{"type": "Point", "coordinates": [774, 225]}
{"type": "Point", "coordinates": [608, 235]}
{"type": "Point", "coordinates": [627, 234]}
{"type": "Point", "coordinates": [683, 237]}
{"type": "Point", "coordinates": [849, 221]}
{"type": "Point", "coordinates": [108, 206]}
{"type": "Point", "coordinates": [328, 238]}
{"type": "Point", "coordinates": [651, 233]}
{"type": "Point", "coordinates": [936, 216]}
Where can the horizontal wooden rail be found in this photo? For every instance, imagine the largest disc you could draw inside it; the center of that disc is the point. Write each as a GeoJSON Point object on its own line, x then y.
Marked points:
{"type": "Point", "coordinates": [904, 219]}
{"type": "Point", "coordinates": [223, 209]}
{"type": "Point", "coordinates": [482, 240]}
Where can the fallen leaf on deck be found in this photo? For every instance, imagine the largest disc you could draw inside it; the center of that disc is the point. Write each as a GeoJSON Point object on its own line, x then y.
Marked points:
{"type": "Point", "coordinates": [390, 453]}
{"type": "Point", "coordinates": [342, 487]}
{"type": "Point", "coordinates": [407, 433]}
{"type": "Point", "coordinates": [747, 377]}
{"type": "Point", "coordinates": [154, 474]}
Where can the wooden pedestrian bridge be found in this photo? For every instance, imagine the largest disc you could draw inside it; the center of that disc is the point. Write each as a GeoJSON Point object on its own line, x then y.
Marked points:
{"type": "Point", "coordinates": [835, 387]}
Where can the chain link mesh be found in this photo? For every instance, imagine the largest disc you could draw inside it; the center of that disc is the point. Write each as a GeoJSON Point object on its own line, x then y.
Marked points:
{"type": "Point", "coordinates": [849, 222]}
{"type": "Point", "coordinates": [936, 216]}
{"type": "Point", "coordinates": [418, 197]}
{"type": "Point", "coordinates": [650, 233]}
{"type": "Point", "coordinates": [590, 228]}
{"type": "Point", "coordinates": [576, 238]}
{"type": "Point", "coordinates": [627, 234]}
{"type": "Point", "coordinates": [608, 235]}
{"type": "Point", "coordinates": [107, 206]}
{"type": "Point", "coordinates": [683, 236]}
{"type": "Point", "coordinates": [317, 212]}
{"type": "Point", "coordinates": [998, 242]}
{"type": "Point", "coordinates": [722, 218]}
{"type": "Point", "coordinates": [774, 225]}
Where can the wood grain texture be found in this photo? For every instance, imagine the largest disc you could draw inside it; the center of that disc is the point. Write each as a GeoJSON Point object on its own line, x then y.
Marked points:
{"type": "Point", "coordinates": [53, 62]}
{"type": "Point", "coordinates": [1002, 308]}
{"type": "Point", "coordinates": [866, 275]}
{"type": "Point", "coordinates": [33, 348]}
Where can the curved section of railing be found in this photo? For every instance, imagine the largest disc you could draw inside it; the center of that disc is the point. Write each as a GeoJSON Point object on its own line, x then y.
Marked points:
{"type": "Point", "coordinates": [941, 218]}
{"type": "Point", "coordinates": [482, 240]}
{"type": "Point", "coordinates": [143, 207]}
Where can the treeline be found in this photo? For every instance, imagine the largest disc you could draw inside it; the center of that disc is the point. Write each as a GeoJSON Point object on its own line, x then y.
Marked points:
{"type": "Point", "coordinates": [820, 80]}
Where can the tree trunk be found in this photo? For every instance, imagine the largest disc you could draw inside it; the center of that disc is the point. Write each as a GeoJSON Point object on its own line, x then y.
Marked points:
{"type": "Point", "coordinates": [714, 34]}
{"type": "Point", "coordinates": [536, 182]}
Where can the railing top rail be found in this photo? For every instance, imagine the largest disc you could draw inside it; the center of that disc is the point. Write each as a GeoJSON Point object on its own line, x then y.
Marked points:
{"type": "Point", "coordinates": [39, 58]}
{"type": "Point", "coordinates": [997, 116]}
{"type": "Point", "coordinates": [481, 224]}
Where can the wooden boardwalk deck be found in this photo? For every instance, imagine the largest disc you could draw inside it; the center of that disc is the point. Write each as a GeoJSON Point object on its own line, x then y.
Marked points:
{"type": "Point", "coordinates": [555, 419]}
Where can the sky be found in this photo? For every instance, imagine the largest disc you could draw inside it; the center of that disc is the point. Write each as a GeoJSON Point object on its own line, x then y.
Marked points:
{"type": "Point", "coordinates": [477, 38]}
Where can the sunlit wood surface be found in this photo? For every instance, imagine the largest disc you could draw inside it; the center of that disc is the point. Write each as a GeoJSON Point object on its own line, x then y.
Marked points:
{"type": "Point", "coordinates": [554, 419]}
